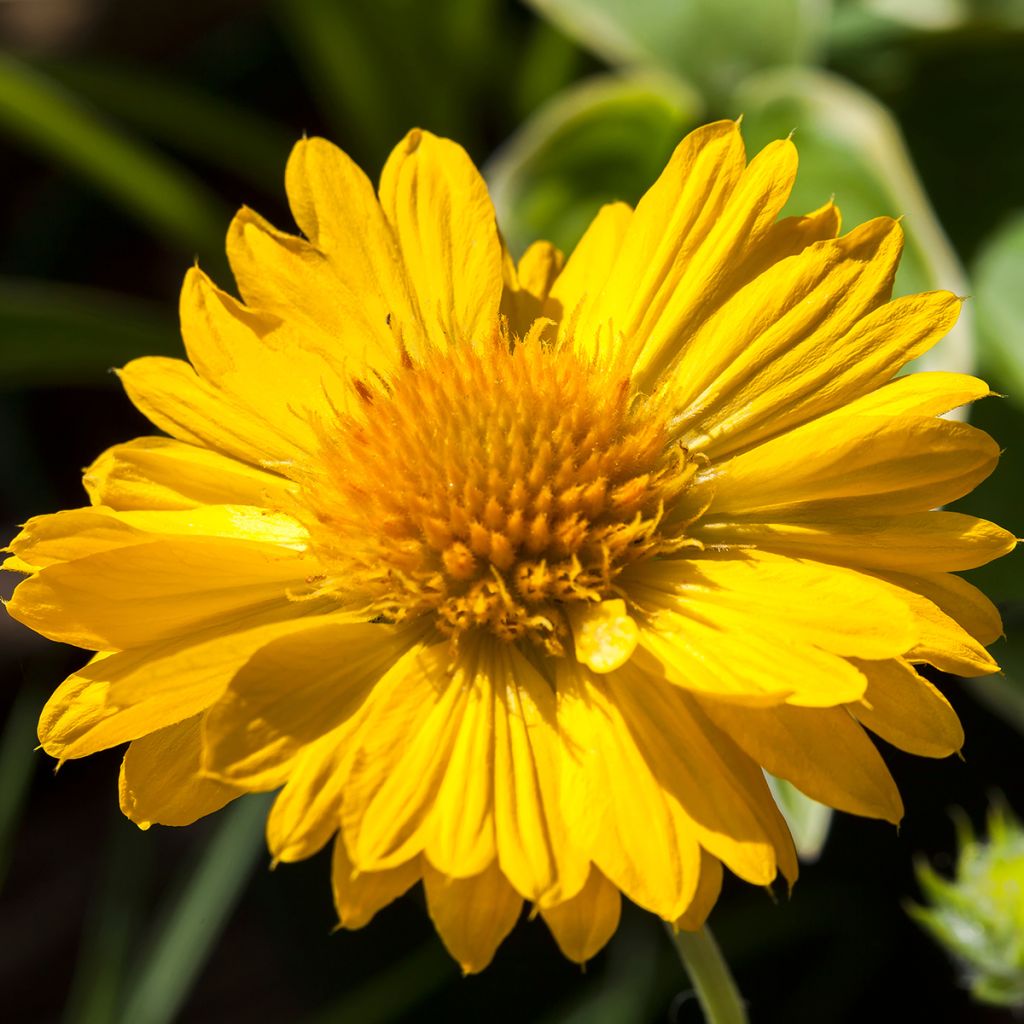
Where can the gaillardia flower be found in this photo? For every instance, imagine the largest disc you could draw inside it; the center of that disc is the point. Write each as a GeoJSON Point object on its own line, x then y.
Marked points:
{"type": "Point", "coordinates": [512, 578]}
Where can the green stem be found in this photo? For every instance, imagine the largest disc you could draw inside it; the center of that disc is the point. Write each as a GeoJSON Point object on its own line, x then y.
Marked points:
{"type": "Point", "coordinates": [717, 993]}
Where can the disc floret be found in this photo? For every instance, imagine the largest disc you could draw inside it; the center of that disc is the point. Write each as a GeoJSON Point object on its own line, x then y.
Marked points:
{"type": "Point", "coordinates": [495, 484]}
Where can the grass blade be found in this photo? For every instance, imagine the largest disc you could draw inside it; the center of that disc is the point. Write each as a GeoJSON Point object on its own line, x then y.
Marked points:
{"type": "Point", "coordinates": [197, 915]}
{"type": "Point", "coordinates": [54, 122]}
{"type": "Point", "coordinates": [392, 993]}
{"type": "Point", "coordinates": [113, 924]}
{"type": "Point", "coordinates": [16, 766]}
{"type": "Point", "coordinates": [189, 120]}
{"type": "Point", "coordinates": [345, 75]}
{"type": "Point", "coordinates": [54, 334]}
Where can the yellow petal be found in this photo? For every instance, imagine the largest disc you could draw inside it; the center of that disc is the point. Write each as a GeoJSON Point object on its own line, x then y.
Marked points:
{"type": "Point", "coordinates": [330, 322]}
{"type": "Point", "coordinates": [930, 393]}
{"type": "Point", "coordinates": [670, 223]}
{"type": "Point", "coordinates": [122, 696]}
{"type": "Point", "coordinates": [799, 308]}
{"type": "Point", "coordinates": [956, 598]}
{"type": "Point", "coordinates": [700, 218]}
{"type": "Point", "coordinates": [293, 691]}
{"type": "Point", "coordinates": [161, 473]}
{"type": "Point", "coordinates": [839, 610]}
{"type": "Point", "coordinates": [76, 533]}
{"type": "Point", "coordinates": [917, 542]}
{"type": "Point", "coordinates": [158, 590]}
{"type": "Point", "coordinates": [535, 850]}
{"type": "Point", "coordinates": [805, 303]}
{"type": "Point", "coordinates": [16, 564]}
{"type": "Point", "coordinates": [523, 301]}
{"type": "Point", "coordinates": [763, 669]}
{"type": "Point", "coordinates": [283, 275]}
{"type": "Point", "coordinates": [170, 394]}
{"type": "Point", "coordinates": [583, 924]}
{"type": "Point", "coordinates": [461, 840]}
{"type": "Point", "coordinates": [307, 811]}
{"type": "Point", "coordinates": [652, 770]}
{"type": "Point", "coordinates": [819, 339]}
{"type": "Point", "coordinates": [942, 641]}
{"type": "Point", "coordinates": [822, 751]}
{"type": "Point", "coordinates": [610, 797]}
{"type": "Point", "coordinates": [579, 285]}
{"type": "Point", "coordinates": [439, 209]}
{"type": "Point", "coordinates": [750, 777]}
{"type": "Point", "coordinates": [472, 915]}
{"type": "Point", "coordinates": [75, 709]}
{"type": "Point", "coordinates": [790, 236]}
{"type": "Point", "coordinates": [716, 794]}
{"type": "Point", "coordinates": [905, 709]}
{"type": "Point", "coordinates": [421, 730]}
{"type": "Point", "coordinates": [271, 365]}
{"type": "Point", "coordinates": [707, 264]}
{"type": "Point", "coordinates": [160, 779]}
{"type": "Point", "coordinates": [716, 626]}
{"type": "Point", "coordinates": [604, 635]}
{"type": "Point", "coordinates": [876, 464]}
{"type": "Point", "coordinates": [706, 896]}
{"type": "Point", "coordinates": [808, 381]}
{"type": "Point", "coordinates": [401, 703]}
{"type": "Point", "coordinates": [334, 204]}
{"type": "Point", "coordinates": [358, 896]}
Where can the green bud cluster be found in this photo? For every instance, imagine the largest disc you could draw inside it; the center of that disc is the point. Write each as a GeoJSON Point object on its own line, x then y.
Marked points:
{"type": "Point", "coordinates": [978, 916]}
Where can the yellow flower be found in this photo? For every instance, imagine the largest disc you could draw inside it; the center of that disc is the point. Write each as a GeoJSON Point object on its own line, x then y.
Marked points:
{"type": "Point", "coordinates": [514, 577]}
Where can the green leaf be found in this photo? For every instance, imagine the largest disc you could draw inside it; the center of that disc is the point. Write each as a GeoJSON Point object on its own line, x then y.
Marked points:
{"type": "Point", "coordinates": [860, 24]}
{"type": "Point", "coordinates": [808, 820]}
{"type": "Point", "coordinates": [54, 334]}
{"type": "Point", "coordinates": [196, 915]}
{"type": "Point", "coordinates": [549, 61]}
{"type": "Point", "coordinates": [865, 22]}
{"type": "Point", "coordinates": [714, 43]}
{"type": "Point", "coordinates": [43, 116]}
{"type": "Point", "coordinates": [197, 123]}
{"type": "Point", "coordinates": [607, 138]}
{"type": "Point", "coordinates": [851, 148]}
{"type": "Point", "coordinates": [999, 303]}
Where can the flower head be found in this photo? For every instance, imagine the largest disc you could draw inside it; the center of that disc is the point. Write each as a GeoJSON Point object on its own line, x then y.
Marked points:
{"type": "Point", "coordinates": [513, 577]}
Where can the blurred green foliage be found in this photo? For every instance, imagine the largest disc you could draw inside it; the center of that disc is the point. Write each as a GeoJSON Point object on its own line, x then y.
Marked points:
{"type": "Point", "coordinates": [978, 916]}
{"type": "Point", "coordinates": [37, 112]}
{"type": "Point", "coordinates": [713, 43]}
{"type": "Point", "coordinates": [599, 141]}
{"type": "Point", "coordinates": [57, 334]}
{"type": "Point", "coordinates": [1000, 302]}
{"type": "Point", "coordinates": [568, 104]}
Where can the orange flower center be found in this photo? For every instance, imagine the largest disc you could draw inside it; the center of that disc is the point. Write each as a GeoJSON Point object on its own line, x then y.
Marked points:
{"type": "Point", "coordinates": [494, 484]}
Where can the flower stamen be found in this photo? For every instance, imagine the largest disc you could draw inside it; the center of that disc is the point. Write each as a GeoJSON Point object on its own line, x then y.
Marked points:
{"type": "Point", "coordinates": [494, 485]}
